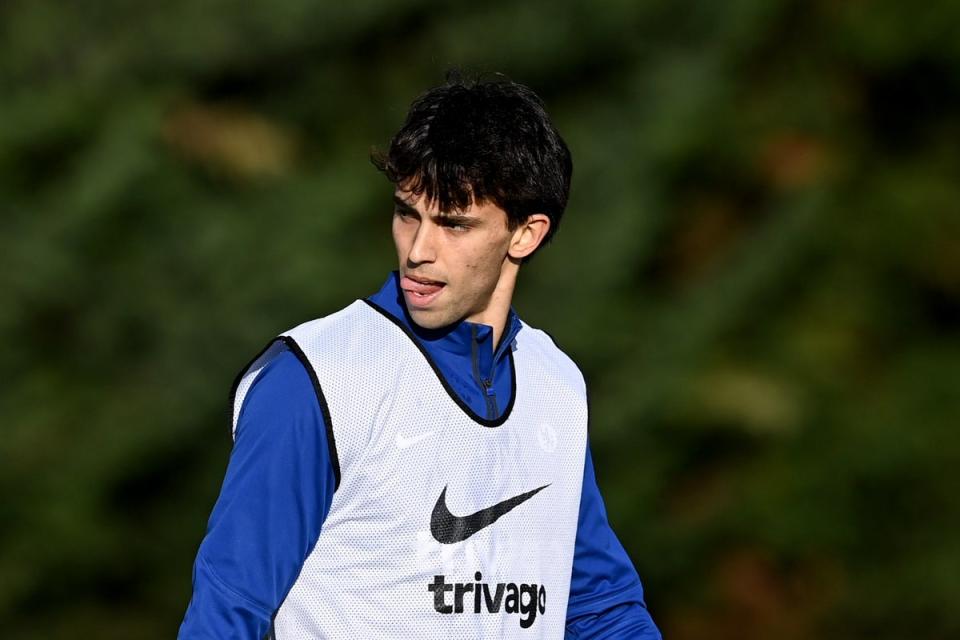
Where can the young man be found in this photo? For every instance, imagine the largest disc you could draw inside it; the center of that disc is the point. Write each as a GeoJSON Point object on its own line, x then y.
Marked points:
{"type": "Point", "coordinates": [416, 465]}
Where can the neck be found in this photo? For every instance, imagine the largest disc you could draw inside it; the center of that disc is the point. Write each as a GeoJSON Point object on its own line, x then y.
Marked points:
{"type": "Point", "coordinates": [497, 309]}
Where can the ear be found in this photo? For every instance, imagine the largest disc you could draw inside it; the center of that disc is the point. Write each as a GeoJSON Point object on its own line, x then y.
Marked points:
{"type": "Point", "coordinates": [528, 236]}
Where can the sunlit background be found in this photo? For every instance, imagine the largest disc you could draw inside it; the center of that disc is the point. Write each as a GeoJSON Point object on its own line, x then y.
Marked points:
{"type": "Point", "coordinates": [758, 272]}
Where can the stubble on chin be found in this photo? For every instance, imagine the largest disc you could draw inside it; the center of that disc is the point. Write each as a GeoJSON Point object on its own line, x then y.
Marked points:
{"type": "Point", "coordinates": [426, 319]}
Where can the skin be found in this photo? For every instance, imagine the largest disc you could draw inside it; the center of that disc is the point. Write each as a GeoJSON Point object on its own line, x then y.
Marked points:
{"type": "Point", "coordinates": [471, 252]}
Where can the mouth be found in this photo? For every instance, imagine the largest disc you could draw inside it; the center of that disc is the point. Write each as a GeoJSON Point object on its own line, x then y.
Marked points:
{"type": "Point", "coordinates": [419, 291]}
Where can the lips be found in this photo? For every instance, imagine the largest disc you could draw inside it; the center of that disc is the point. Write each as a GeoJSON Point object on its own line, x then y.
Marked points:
{"type": "Point", "coordinates": [420, 292]}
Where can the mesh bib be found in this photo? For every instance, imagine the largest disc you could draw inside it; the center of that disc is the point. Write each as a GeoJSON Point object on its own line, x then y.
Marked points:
{"type": "Point", "coordinates": [444, 525]}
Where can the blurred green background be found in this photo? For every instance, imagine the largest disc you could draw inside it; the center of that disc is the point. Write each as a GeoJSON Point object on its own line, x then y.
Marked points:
{"type": "Point", "coordinates": [759, 273]}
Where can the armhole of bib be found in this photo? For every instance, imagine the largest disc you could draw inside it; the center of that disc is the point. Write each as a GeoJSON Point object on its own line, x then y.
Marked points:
{"type": "Point", "coordinates": [295, 349]}
{"type": "Point", "coordinates": [324, 408]}
{"type": "Point", "coordinates": [231, 408]}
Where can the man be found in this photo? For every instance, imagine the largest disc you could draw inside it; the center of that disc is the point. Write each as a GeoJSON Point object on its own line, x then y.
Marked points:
{"type": "Point", "coordinates": [416, 465]}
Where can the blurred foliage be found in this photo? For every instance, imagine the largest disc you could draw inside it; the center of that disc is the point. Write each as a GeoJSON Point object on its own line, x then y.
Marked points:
{"type": "Point", "coordinates": [759, 274]}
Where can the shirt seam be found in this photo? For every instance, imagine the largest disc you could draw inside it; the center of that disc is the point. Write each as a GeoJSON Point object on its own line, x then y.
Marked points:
{"type": "Point", "coordinates": [578, 603]}
{"type": "Point", "coordinates": [614, 634]}
{"type": "Point", "coordinates": [230, 591]}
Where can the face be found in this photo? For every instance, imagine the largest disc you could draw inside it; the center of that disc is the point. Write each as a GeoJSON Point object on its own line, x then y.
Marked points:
{"type": "Point", "coordinates": [450, 263]}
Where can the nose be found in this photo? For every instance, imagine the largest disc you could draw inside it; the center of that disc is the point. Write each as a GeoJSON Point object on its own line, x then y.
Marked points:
{"type": "Point", "coordinates": [423, 249]}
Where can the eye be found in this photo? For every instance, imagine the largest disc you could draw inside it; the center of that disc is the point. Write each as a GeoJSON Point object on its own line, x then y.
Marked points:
{"type": "Point", "coordinates": [454, 225]}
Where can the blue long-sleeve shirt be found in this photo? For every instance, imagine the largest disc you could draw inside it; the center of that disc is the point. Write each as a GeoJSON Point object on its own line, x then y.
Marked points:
{"type": "Point", "coordinates": [280, 482]}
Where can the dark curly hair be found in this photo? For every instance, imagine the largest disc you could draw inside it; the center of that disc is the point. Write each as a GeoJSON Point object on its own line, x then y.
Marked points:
{"type": "Point", "coordinates": [478, 140]}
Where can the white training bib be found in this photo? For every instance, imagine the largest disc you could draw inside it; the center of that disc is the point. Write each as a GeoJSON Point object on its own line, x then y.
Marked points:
{"type": "Point", "coordinates": [444, 525]}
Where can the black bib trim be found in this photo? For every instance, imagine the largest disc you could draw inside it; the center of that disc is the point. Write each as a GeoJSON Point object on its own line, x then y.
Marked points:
{"type": "Point", "coordinates": [295, 349]}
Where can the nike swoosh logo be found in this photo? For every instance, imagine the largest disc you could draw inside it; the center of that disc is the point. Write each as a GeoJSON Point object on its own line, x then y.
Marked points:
{"type": "Point", "coordinates": [449, 529]}
{"type": "Point", "coordinates": [403, 443]}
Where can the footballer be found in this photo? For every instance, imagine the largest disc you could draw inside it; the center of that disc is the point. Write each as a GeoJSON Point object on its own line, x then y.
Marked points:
{"type": "Point", "coordinates": [416, 465]}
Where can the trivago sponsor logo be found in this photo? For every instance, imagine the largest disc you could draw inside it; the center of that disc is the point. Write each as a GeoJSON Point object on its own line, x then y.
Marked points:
{"type": "Point", "coordinates": [526, 600]}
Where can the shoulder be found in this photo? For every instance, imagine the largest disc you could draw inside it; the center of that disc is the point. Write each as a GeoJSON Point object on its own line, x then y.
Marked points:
{"type": "Point", "coordinates": [290, 342]}
{"type": "Point", "coordinates": [357, 331]}
{"type": "Point", "coordinates": [546, 348]}
{"type": "Point", "coordinates": [280, 408]}
{"type": "Point", "coordinates": [281, 392]}
{"type": "Point", "coordinates": [349, 318]}
{"type": "Point", "coordinates": [283, 377]}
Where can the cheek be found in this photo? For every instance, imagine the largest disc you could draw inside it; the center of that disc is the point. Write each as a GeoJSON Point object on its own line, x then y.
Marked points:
{"type": "Point", "coordinates": [479, 261]}
{"type": "Point", "coordinates": [486, 260]}
{"type": "Point", "coordinates": [399, 237]}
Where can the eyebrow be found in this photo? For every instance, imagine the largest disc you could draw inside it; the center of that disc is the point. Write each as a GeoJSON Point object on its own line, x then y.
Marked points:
{"type": "Point", "coordinates": [453, 218]}
{"type": "Point", "coordinates": [450, 218]}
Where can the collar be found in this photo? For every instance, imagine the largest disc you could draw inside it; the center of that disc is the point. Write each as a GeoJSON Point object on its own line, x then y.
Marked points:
{"type": "Point", "coordinates": [458, 338]}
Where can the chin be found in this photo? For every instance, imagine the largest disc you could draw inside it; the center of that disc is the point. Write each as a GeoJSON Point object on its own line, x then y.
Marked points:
{"type": "Point", "coordinates": [426, 318]}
